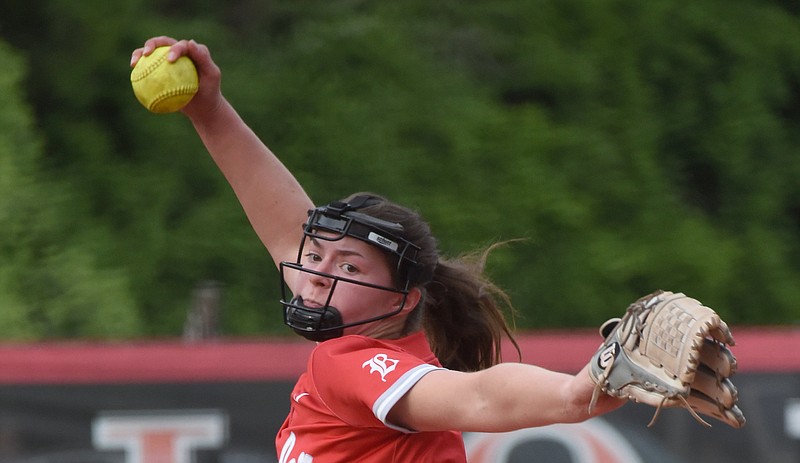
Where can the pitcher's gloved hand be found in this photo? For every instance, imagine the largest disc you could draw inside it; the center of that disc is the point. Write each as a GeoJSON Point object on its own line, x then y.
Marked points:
{"type": "Point", "coordinates": [669, 350]}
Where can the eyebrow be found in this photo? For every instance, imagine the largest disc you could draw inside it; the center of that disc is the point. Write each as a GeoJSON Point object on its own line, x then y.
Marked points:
{"type": "Point", "coordinates": [345, 252]}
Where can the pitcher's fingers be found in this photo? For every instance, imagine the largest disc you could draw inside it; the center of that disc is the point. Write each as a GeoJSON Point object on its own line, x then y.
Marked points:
{"type": "Point", "coordinates": [148, 47]}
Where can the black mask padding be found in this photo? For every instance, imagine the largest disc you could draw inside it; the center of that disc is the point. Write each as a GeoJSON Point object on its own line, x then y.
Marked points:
{"type": "Point", "coordinates": [313, 324]}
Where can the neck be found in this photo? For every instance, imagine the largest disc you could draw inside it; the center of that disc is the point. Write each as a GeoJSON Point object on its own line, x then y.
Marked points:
{"type": "Point", "coordinates": [388, 328]}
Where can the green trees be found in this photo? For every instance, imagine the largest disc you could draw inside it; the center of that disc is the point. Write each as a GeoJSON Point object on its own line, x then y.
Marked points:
{"type": "Point", "coordinates": [634, 145]}
{"type": "Point", "coordinates": [51, 283]}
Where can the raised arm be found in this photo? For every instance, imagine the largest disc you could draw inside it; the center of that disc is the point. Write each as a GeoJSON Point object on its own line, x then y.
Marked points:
{"type": "Point", "coordinates": [505, 397]}
{"type": "Point", "coordinates": [273, 200]}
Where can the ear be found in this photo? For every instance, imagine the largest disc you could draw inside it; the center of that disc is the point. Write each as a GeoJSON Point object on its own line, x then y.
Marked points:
{"type": "Point", "coordinates": [412, 299]}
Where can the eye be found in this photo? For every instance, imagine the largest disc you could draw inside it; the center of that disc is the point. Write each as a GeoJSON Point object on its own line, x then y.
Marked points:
{"type": "Point", "coordinates": [349, 268]}
{"type": "Point", "coordinates": [313, 257]}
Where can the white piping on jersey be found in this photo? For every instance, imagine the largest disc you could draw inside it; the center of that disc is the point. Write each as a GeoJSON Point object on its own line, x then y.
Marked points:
{"type": "Point", "coordinates": [389, 398]}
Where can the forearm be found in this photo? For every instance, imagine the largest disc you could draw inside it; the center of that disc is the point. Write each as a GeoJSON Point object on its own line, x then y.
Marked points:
{"type": "Point", "coordinates": [520, 396]}
{"type": "Point", "coordinates": [505, 397]}
{"type": "Point", "coordinates": [272, 198]}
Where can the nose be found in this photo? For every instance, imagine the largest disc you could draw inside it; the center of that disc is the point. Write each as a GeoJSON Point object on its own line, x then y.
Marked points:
{"type": "Point", "coordinates": [316, 289]}
{"type": "Point", "coordinates": [319, 281]}
{"type": "Point", "coordinates": [317, 271]}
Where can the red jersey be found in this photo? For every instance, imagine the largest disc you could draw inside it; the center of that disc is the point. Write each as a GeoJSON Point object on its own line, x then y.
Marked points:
{"type": "Point", "coordinates": [340, 404]}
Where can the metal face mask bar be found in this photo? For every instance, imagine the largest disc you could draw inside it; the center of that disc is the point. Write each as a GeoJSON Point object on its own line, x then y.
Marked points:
{"type": "Point", "coordinates": [320, 324]}
{"type": "Point", "coordinates": [332, 223]}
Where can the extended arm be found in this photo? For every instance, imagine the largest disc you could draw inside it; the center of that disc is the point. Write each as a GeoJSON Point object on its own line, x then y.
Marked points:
{"type": "Point", "coordinates": [274, 201]}
{"type": "Point", "coordinates": [505, 397]}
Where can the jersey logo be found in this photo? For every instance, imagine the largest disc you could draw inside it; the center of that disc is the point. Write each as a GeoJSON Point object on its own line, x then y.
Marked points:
{"type": "Point", "coordinates": [382, 364]}
{"type": "Point", "coordinates": [299, 396]}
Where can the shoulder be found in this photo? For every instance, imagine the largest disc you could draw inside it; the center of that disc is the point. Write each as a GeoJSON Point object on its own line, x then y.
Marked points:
{"type": "Point", "coordinates": [358, 357]}
{"type": "Point", "coordinates": [358, 377]}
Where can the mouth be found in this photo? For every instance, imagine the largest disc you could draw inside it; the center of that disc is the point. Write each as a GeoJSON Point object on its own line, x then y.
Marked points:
{"type": "Point", "coordinates": [308, 303]}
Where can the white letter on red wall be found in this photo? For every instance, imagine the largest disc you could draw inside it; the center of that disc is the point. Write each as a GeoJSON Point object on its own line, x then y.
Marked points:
{"type": "Point", "coordinates": [160, 436]}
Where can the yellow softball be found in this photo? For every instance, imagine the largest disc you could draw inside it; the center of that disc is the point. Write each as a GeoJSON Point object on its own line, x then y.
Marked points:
{"type": "Point", "coordinates": [161, 86]}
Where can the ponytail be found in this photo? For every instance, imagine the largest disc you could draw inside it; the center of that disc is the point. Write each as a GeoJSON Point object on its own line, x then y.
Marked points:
{"type": "Point", "coordinates": [462, 314]}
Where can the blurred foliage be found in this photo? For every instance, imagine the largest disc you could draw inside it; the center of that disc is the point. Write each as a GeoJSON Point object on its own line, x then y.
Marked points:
{"type": "Point", "coordinates": [50, 280]}
{"type": "Point", "coordinates": [633, 145]}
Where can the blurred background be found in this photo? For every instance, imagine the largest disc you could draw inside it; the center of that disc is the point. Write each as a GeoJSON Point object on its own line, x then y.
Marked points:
{"type": "Point", "coordinates": [629, 145]}
{"type": "Point", "coordinates": [632, 144]}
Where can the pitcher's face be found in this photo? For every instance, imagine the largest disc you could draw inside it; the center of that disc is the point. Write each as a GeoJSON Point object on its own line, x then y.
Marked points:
{"type": "Point", "coordinates": [351, 259]}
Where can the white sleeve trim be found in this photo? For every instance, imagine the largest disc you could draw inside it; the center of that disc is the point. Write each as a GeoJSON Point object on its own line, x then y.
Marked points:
{"type": "Point", "coordinates": [389, 398]}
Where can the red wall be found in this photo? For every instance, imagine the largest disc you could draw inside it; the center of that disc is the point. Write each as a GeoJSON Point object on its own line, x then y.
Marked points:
{"type": "Point", "coordinates": [758, 350]}
{"type": "Point", "coordinates": [56, 398]}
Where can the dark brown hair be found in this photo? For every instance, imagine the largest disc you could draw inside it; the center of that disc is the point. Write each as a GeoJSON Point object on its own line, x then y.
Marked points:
{"type": "Point", "coordinates": [461, 311]}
